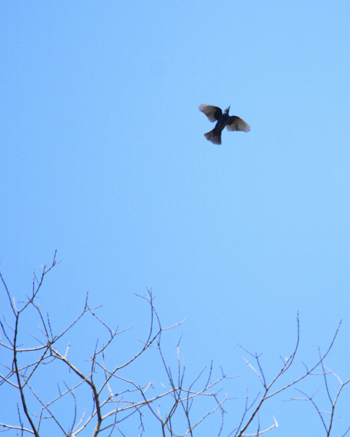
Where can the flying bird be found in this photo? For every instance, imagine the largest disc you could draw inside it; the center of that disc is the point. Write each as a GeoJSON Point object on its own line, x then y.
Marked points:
{"type": "Point", "coordinates": [231, 122]}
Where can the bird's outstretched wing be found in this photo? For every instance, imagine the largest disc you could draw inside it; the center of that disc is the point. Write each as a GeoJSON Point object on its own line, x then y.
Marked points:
{"type": "Point", "coordinates": [212, 112]}
{"type": "Point", "coordinates": [236, 123]}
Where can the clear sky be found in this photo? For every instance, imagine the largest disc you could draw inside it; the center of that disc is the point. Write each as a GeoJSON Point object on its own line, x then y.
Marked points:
{"type": "Point", "coordinates": [103, 158]}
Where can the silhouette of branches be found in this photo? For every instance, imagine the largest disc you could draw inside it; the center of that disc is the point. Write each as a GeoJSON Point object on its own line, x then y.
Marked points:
{"type": "Point", "coordinates": [96, 398]}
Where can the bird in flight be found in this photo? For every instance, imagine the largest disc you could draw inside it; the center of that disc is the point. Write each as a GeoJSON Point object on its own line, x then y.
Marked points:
{"type": "Point", "coordinates": [231, 122]}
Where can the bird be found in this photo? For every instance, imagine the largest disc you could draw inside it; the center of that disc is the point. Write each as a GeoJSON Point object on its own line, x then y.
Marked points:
{"type": "Point", "coordinates": [231, 122]}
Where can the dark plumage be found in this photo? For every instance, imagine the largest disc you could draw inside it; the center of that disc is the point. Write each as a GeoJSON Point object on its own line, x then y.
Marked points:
{"type": "Point", "coordinates": [231, 122]}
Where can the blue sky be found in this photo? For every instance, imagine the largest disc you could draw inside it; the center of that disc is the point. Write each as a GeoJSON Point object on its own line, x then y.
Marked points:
{"type": "Point", "coordinates": [103, 158]}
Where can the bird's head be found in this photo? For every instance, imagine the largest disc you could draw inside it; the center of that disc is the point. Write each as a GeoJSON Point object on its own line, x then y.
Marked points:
{"type": "Point", "coordinates": [227, 109]}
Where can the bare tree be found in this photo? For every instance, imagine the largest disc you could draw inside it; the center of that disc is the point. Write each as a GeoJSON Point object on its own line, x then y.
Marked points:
{"type": "Point", "coordinates": [100, 399]}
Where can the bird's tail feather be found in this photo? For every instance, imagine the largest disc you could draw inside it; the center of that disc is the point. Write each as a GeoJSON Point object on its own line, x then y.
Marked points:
{"type": "Point", "coordinates": [214, 136]}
